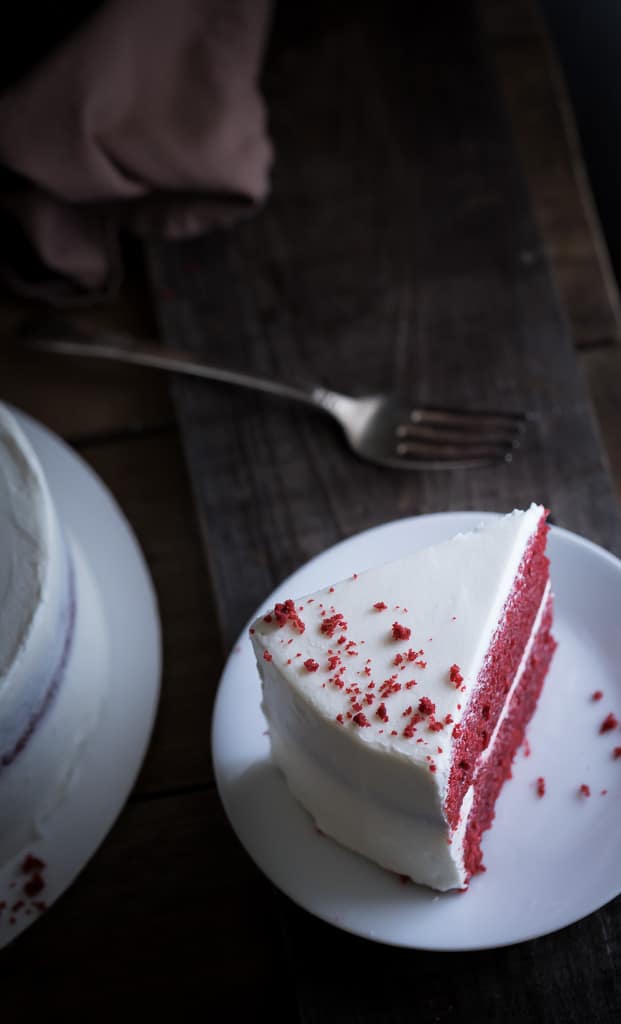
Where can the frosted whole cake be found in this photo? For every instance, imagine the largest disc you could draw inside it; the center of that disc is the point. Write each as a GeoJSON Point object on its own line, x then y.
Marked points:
{"type": "Point", "coordinates": [47, 707]}
{"type": "Point", "coordinates": [396, 699]}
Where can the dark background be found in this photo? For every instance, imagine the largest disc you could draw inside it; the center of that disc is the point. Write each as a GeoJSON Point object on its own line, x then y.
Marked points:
{"type": "Point", "coordinates": [586, 34]}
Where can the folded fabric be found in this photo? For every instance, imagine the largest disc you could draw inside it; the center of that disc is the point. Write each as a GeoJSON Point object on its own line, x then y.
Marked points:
{"type": "Point", "coordinates": [146, 118]}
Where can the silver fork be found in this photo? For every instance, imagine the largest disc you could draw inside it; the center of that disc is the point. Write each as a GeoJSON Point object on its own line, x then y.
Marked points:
{"type": "Point", "coordinates": [379, 427]}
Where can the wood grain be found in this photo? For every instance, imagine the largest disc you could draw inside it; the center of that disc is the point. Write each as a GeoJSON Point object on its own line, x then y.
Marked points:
{"type": "Point", "coordinates": [547, 146]}
{"type": "Point", "coordinates": [399, 250]}
{"type": "Point", "coordinates": [147, 475]}
{"type": "Point", "coordinates": [390, 256]}
{"type": "Point", "coordinates": [169, 915]}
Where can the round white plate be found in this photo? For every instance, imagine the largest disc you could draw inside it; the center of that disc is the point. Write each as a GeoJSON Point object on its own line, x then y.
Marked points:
{"type": "Point", "coordinates": [550, 860]}
{"type": "Point", "coordinates": [118, 639]}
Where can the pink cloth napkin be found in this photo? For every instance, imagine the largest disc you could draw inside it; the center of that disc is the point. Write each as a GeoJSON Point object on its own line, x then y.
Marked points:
{"type": "Point", "coordinates": [146, 118]}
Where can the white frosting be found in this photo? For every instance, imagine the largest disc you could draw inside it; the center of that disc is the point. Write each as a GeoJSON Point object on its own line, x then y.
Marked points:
{"type": "Point", "coordinates": [38, 598]}
{"type": "Point", "coordinates": [373, 791]}
{"type": "Point", "coordinates": [25, 538]}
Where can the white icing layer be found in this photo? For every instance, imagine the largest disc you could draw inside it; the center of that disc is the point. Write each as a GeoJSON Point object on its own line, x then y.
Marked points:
{"type": "Point", "coordinates": [378, 793]}
{"type": "Point", "coordinates": [25, 538]}
{"type": "Point", "coordinates": [39, 593]}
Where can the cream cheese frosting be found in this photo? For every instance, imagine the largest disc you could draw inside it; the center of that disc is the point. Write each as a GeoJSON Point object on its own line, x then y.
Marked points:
{"type": "Point", "coordinates": [39, 576]}
{"type": "Point", "coordinates": [25, 540]}
{"type": "Point", "coordinates": [419, 630]}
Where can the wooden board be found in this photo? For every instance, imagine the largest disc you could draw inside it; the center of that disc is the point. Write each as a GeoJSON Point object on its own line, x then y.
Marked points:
{"type": "Point", "coordinates": [400, 251]}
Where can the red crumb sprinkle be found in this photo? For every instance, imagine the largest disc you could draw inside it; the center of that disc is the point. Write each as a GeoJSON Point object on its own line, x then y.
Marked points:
{"type": "Point", "coordinates": [616, 753]}
{"type": "Point", "coordinates": [285, 612]}
{"type": "Point", "coordinates": [340, 719]}
{"type": "Point", "coordinates": [330, 625]}
{"type": "Point", "coordinates": [541, 786]}
{"type": "Point", "coordinates": [361, 720]}
{"type": "Point", "coordinates": [355, 576]}
{"type": "Point", "coordinates": [31, 863]}
{"type": "Point", "coordinates": [585, 790]}
{"type": "Point", "coordinates": [34, 885]}
{"type": "Point", "coordinates": [400, 632]}
{"type": "Point", "coordinates": [382, 713]}
{"type": "Point", "coordinates": [426, 706]}
{"type": "Point", "coordinates": [603, 792]}
{"type": "Point", "coordinates": [455, 675]}
{"type": "Point", "coordinates": [251, 631]}
{"type": "Point", "coordinates": [380, 606]}
{"type": "Point", "coordinates": [311, 665]}
{"type": "Point", "coordinates": [597, 695]}
{"type": "Point", "coordinates": [331, 591]}
{"type": "Point", "coordinates": [456, 731]}
{"type": "Point", "coordinates": [267, 656]}
{"type": "Point", "coordinates": [610, 722]}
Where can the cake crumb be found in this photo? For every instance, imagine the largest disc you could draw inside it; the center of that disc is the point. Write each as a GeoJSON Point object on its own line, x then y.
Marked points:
{"type": "Point", "coordinates": [597, 695]}
{"type": "Point", "coordinates": [610, 722]}
{"type": "Point", "coordinates": [541, 786]}
{"type": "Point", "coordinates": [584, 790]}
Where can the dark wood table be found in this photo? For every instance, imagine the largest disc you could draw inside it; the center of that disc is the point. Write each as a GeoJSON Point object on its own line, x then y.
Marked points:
{"type": "Point", "coordinates": [430, 229]}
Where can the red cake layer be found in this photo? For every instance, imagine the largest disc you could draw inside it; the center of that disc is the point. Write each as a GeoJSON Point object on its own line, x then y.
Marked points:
{"type": "Point", "coordinates": [497, 768]}
{"type": "Point", "coordinates": [498, 672]}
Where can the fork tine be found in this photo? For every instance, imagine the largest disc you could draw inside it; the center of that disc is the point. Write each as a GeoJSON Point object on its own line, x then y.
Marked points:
{"type": "Point", "coordinates": [441, 451]}
{"type": "Point", "coordinates": [468, 420]}
{"type": "Point", "coordinates": [446, 433]}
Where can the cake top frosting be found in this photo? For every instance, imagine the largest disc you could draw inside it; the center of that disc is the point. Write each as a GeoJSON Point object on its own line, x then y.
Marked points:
{"type": "Point", "coordinates": [391, 655]}
{"type": "Point", "coordinates": [24, 538]}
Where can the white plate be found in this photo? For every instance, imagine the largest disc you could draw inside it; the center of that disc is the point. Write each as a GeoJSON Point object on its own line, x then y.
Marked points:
{"type": "Point", "coordinates": [118, 627]}
{"type": "Point", "coordinates": [550, 861]}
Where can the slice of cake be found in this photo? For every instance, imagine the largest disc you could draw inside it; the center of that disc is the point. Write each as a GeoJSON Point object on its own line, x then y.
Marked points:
{"type": "Point", "coordinates": [396, 699]}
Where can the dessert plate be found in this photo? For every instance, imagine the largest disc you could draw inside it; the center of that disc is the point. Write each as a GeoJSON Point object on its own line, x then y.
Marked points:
{"type": "Point", "coordinates": [116, 649]}
{"type": "Point", "coordinates": [550, 859]}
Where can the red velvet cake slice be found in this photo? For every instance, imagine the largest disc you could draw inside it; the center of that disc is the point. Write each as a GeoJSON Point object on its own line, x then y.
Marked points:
{"type": "Point", "coordinates": [396, 699]}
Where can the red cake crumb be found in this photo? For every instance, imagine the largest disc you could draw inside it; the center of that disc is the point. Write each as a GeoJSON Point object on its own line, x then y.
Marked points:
{"type": "Point", "coordinates": [330, 625]}
{"type": "Point", "coordinates": [610, 722]}
{"type": "Point", "coordinates": [361, 720]}
{"type": "Point", "coordinates": [400, 632]}
{"type": "Point", "coordinates": [340, 719]}
{"type": "Point", "coordinates": [31, 863]}
{"type": "Point", "coordinates": [34, 885]}
{"type": "Point", "coordinates": [381, 606]}
{"type": "Point", "coordinates": [382, 713]}
{"type": "Point", "coordinates": [455, 675]}
{"type": "Point", "coordinates": [267, 656]}
{"type": "Point", "coordinates": [616, 753]}
{"type": "Point", "coordinates": [584, 790]}
{"type": "Point", "coordinates": [541, 786]}
{"type": "Point", "coordinates": [426, 706]}
{"type": "Point", "coordinates": [597, 695]}
{"type": "Point", "coordinates": [311, 665]}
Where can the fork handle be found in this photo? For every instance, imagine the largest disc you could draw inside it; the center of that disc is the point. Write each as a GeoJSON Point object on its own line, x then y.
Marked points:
{"type": "Point", "coordinates": [161, 357]}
